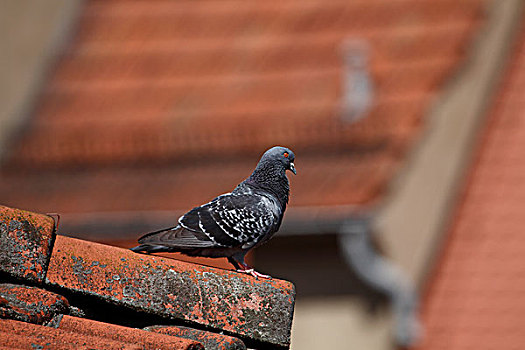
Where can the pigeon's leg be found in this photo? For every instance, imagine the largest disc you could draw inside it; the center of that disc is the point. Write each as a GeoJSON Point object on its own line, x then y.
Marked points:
{"type": "Point", "coordinates": [237, 260]}
{"type": "Point", "coordinates": [234, 263]}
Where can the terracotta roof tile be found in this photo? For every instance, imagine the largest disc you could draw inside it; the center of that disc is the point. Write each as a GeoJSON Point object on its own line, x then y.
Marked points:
{"type": "Point", "coordinates": [26, 240]}
{"type": "Point", "coordinates": [144, 339]}
{"type": "Point", "coordinates": [209, 340]}
{"type": "Point", "coordinates": [176, 290]}
{"type": "Point", "coordinates": [475, 299]}
{"type": "Point", "coordinates": [114, 21]}
{"type": "Point", "coordinates": [22, 335]}
{"type": "Point", "coordinates": [30, 304]}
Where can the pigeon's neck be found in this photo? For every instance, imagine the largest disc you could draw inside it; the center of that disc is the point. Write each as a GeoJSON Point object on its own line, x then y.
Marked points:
{"type": "Point", "coordinates": [271, 177]}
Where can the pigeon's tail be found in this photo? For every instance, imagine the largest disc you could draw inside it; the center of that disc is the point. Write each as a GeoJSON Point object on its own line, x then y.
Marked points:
{"type": "Point", "coordinates": [148, 248]}
{"type": "Point", "coordinates": [152, 236]}
{"type": "Point", "coordinates": [149, 243]}
{"type": "Point", "coordinates": [172, 239]}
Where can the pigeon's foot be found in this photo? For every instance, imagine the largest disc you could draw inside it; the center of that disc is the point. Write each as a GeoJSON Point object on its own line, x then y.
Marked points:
{"type": "Point", "coordinates": [241, 266]}
{"type": "Point", "coordinates": [254, 273]}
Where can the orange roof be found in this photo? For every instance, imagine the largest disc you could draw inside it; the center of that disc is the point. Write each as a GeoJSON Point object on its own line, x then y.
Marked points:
{"type": "Point", "coordinates": [476, 297]}
{"type": "Point", "coordinates": [183, 92]}
{"type": "Point", "coordinates": [122, 288]}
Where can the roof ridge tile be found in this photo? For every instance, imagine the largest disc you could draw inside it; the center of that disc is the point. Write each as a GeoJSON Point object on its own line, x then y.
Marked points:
{"type": "Point", "coordinates": [172, 289]}
{"type": "Point", "coordinates": [27, 239]}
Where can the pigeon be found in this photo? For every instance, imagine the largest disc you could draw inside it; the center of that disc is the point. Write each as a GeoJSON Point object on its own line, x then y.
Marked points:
{"type": "Point", "coordinates": [233, 223]}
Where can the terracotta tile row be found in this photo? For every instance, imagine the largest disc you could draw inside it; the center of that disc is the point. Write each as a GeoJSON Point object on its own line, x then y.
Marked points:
{"type": "Point", "coordinates": [339, 181]}
{"type": "Point", "coordinates": [87, 334]}
{"type": "Point", "coordinates": [210, 340]}
{"type": "Point", "coordinates": [164, 59]}
{"type": "Point", "coordinates": [158, 105]}
{"type": "Point", "coordinates": [259, 87]}
{"type": "Point", "coordinates": [21, 335]}
{"type": "Point", "coordinates": [141, 338]}
{"type": "Point", "coordinates": [175, 290]}
{"type": "Point", "coordinates": [117, 141]}
{"type": "Point", "coordinates": [112, 21]}
{"type": "Point", "coordinates": [385, 40]}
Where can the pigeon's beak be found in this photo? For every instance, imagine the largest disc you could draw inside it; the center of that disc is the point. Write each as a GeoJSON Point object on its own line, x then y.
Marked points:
{"type": "Point", "coordinates": [292, 168]}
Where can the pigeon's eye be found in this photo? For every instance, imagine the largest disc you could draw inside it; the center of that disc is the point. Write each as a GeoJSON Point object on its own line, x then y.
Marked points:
{"type": "Point", "coordinates": [285, 154]}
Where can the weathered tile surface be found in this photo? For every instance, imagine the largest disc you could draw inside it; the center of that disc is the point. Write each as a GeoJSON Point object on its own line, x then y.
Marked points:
{"type": "Point", "coordinates": [211, 341]}
{"type": "Point", "coordinates": [25, 243]}
{"type": "Point", "coordinates": [30, 304]}
{"type": "Point", "coordinates": [260, 310]}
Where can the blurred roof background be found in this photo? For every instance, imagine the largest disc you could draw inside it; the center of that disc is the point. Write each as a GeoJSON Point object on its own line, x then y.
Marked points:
{"type": "Point", "coordinates": [200, 90]}
{"type": "Point", "coordinates": [136, 111]}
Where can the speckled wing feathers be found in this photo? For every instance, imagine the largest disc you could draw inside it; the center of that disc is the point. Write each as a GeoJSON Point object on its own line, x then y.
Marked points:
{"type": "Point", "coordinates": [234, 219]}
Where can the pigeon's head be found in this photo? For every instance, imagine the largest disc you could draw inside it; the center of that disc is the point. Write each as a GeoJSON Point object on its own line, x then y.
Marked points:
{"type": "Point", "coordinates": [281, 154]}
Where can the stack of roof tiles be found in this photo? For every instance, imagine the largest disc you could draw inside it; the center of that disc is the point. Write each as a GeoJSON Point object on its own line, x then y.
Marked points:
{"type": "Point", "coordinates": [476, 296]}
{"type": "Point", "coordinates": [65, 293]}
{"type": "Point", "coordinates": [186, 86]}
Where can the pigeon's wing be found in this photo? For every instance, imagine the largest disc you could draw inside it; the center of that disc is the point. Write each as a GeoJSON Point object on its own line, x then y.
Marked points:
{"type": "Point", "coordinates": [233, 220]}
